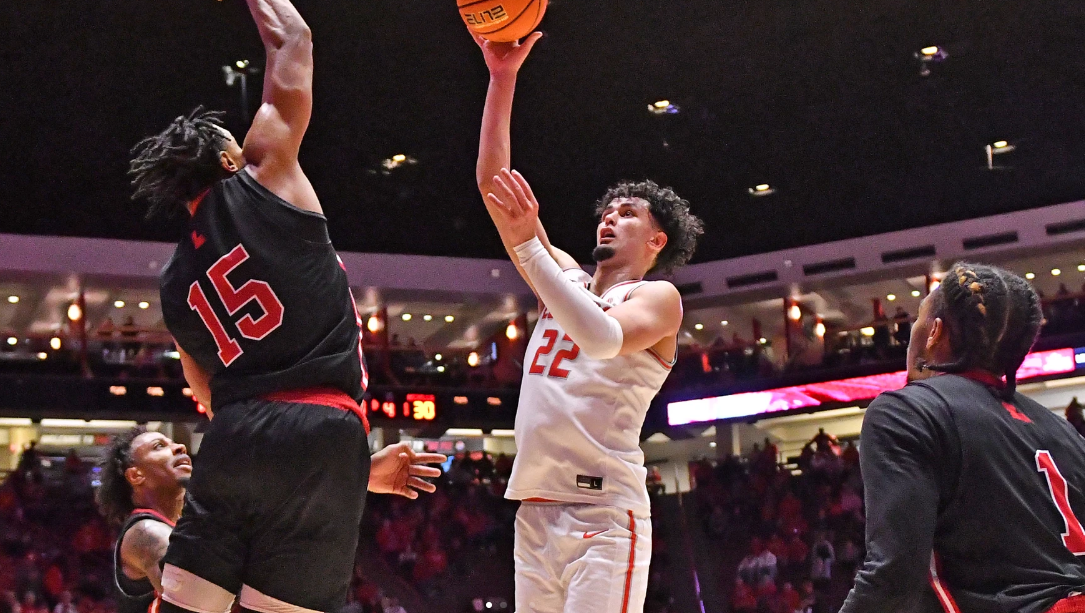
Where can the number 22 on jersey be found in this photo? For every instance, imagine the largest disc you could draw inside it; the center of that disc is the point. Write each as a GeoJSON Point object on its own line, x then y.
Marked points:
{"type": "Point", "coordinates": [234, 299]}
{"type": "Point", "coordinates": [556, 371]}
{"type": "Point", "coordinates": [1074, 537]}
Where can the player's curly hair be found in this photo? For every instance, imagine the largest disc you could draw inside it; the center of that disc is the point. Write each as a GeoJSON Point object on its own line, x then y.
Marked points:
{"type": "Point", "coordinates": [993, 318]}
{"type": "Point", "coordinates": [670, 211]}
{"type": "Point", "coordinates": [115, 494]}
{"type": "Point", "coordinates": [172, 168]}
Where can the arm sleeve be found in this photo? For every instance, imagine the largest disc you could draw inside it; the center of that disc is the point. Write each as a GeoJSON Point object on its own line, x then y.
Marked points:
{"type": "Point", "coordinates": [900, 463]}
{"type": "Point", "coordinates": [598, 334]}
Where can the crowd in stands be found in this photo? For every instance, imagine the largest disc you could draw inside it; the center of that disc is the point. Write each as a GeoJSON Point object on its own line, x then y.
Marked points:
{"type": "Point", "coordinates": [803, 533]}
{"type": "Point", "coordinates": [55, 549]}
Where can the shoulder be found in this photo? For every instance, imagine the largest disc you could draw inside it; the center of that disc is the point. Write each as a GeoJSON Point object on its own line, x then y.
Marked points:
{"type": "Point", "coordinates": [916, 413]}
{"type": "Point", "coordinates": [663, 292]}
{"type": "Point", "coordinates": [144, 536]}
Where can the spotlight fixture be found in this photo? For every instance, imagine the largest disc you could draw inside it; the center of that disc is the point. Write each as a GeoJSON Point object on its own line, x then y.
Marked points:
{"type": "Point", "coordinates": [916, 293]}
{"type": "Point", "coordinates": [663, 107]}
{"type": "Point", "coordinates": [1056, 272]}
{"type": "Point", "coordinates": [472, 359]}
{"type": "Point", "coordinates": [144, 305]}
{"type": "Point", "coordinates": [42, 355]}
{"type": "Point", "coordinates": [928, 56]}
{"type": "Point", "coordinates": [512, 332]}
{"type": "Point", "coordinates": [55, 343]}
{"type": "Point", "coordinates": [406, 317]}
{"type": "Point", "coordinates": [119, 304]}
{"type": "Point", "coordinates": [891, 297]}
{"type": "Point", "coordinates": [819, 329]}
{"type": "Point", "coordinates": [997, 148]}
{"type": "Point", "coordinates": [449, 319]}
{"type": "Point", "coordinates": [698, 327]}
{"type": "Point", "coordinates": [795, 313]}
{"type": "Point", "coordinates": [13, 341]}
{"type": "Point", "coordinates": [13, 299]}
{"type": "Point", "coordinates": [438, 357]}
{"type": "Point", "coordinates": [75, 313]}
{"type": "Point", "coordinates": [374, 324]}
{"type": "Point", "coordinates": [427, 318]}
{"type": "Point", "coordinates": [724, 323]}
{"type": "Point", "coordinates": [763, 189]}
{"type": "Point", "coordinates": [867, 331]}
{"type": "Point", "coordinates": [1081, 267]}
{"type": "Point", "coordinates": [396, 161]}
{"type": "Point", "coordinates": [1030, 275]}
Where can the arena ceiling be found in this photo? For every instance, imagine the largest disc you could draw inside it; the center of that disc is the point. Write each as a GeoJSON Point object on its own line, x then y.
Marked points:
{"type": "Point", "coordinates": [823, 100]}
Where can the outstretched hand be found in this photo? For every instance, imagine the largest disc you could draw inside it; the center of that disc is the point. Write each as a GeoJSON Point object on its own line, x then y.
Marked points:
{"type": "Point", "coordinates": [397, 469]}
{"type": "Point", "coordinates": [505, 59]}
{"type": "Point", "coordinates": [516, 207]}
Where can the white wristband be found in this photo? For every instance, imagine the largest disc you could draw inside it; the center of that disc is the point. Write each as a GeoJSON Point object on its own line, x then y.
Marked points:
{"type": "Point", "coordinates": [597, 334]}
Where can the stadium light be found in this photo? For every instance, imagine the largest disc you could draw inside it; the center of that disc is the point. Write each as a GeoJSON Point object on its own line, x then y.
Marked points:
{"type": "Point", "coordinates": [13, 299]}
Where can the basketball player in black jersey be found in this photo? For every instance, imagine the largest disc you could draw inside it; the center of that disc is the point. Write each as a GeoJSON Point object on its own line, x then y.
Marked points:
{"type": "Point", "coordinates": [143, 487]}
{"type": "Point", "coordinates": [974, 493]}
{"type": "Point", "coordinates": [269, 336]}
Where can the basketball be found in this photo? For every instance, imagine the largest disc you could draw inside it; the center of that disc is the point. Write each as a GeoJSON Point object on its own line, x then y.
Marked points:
{"type": "Point", "coordinates": [502, 21]}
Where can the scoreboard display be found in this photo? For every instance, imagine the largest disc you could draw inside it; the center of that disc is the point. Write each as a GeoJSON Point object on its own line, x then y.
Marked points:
{"type": "Point", "coordinates": [403, 406]}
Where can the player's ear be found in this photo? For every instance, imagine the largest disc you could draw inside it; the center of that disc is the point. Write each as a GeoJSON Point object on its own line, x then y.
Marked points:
{"type": "Point", "coordinates": [134, 475]}
{"type": "Point", "coordinates": [658, 241]}
{"type": "Point", "coordinates": [937, 333]}
{"type": "Point", "coordinates": [227, 162]}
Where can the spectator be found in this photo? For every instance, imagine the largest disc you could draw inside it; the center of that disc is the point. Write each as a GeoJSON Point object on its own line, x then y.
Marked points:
{"type": "Point", "coordinates": [811, 601]}
{"type": "Point", "coordinates": [743, 599]}
{"type": "Point", "coordinates": [391, 605]}
{"type": "Point", "coordinates": [904, 326]}
{"type": "Point", "coordinates": [760, 563]}
{"type": "Point", "coordinates": [64, 605]}
{"type": "Point", "coordinates": [1075, 416]}
{"type": "Point", "coordinates": [790, 599]}
{"type": "Point", "coordinates": [822, 557]}
{"type": "Point", "coordinates": [31, 604]}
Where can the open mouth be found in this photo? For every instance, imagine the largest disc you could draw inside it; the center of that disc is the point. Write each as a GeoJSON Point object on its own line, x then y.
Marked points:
{"type": "Point", "coordinates": [183, 461]}
{"type": "Point", "coordinates": [606, 235]}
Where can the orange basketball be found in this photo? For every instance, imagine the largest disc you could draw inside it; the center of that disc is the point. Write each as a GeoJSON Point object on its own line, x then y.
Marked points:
{"type": "Point", "coordinates": [502, 21]}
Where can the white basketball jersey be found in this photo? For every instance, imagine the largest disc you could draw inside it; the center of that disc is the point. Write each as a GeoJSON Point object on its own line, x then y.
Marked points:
{"type": "Point", "coordinates": [579, 419]}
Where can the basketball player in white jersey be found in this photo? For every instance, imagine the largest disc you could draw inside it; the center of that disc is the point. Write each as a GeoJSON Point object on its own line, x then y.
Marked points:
{"type": "Point", "coordinates": [602, 348]}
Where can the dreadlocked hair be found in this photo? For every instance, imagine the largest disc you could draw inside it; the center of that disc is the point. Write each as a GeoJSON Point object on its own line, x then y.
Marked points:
{"type": "Point", "coordinates": [993, 318]}
{"type": "Point", "coordinates": [671, 212]}
{"type": "Point", "coordinates": [115, 494]}
{"type": "Point", "coordinates": [171, 169]}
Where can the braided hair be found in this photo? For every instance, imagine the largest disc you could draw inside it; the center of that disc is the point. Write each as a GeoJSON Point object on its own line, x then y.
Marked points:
{"type": "Point", "coordinates": [115, 494]}
{"type": "Point", "coordinates": [171, 169]}
{"type": "Point", "coordinates": [993, 318]}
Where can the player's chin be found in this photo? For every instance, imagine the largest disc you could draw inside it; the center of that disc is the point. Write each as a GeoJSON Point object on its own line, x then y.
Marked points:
{"type": "Point", "coordinates": [602, 253]}
{"type": "Point", "coordinates": [182, 480]}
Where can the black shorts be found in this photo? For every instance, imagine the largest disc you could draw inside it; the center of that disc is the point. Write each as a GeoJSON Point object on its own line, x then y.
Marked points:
{"type": "Point", "coordinates": [275, 502]}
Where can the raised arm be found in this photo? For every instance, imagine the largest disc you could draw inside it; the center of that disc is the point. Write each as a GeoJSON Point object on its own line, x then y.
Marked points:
{"type": "Point", "coordinates": [495, 148]}
{"type": "Point", "coordinates": [274, 139]}
{"type": "Point", "coordinates": [652, 314]}
{"type": "Point", "coordinates": [142, 550]}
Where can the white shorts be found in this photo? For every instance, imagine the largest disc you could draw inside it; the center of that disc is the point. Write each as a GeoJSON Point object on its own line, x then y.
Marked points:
{"type": "Point", "coordinates": [581, 558]}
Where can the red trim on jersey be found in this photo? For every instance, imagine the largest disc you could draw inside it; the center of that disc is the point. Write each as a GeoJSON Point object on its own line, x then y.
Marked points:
{"type": "Point", "coordinates": [632, 561]}
{"type": "Point", "coordinates": [1072, 604]}
{"type": "Point", "coordinates": [155, 604]}
{"type": "Point", "coordinates": [984, 377]}
{"type": "Point", "coordinates": [949, 605]}
{"type": "Point", "coordinates": [619, 285]}
{"type": "Point", "coordinates": [323, 396]}
{"type": "Point", "coordinates": [662, 362]}
{"type": "Point", "coordinates": [160, 516]}
{"type": "Point", "coordinates": [538, 500]}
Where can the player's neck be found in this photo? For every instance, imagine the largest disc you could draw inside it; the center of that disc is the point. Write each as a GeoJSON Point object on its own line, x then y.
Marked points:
{"type": "Point", "coordinates": [169, 504]}
{"type": "Point", "coordinates": [607, 277]}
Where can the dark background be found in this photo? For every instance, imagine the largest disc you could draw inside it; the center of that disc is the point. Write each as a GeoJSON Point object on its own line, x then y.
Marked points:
{"type": "Point", "coordinates": [820, 98]}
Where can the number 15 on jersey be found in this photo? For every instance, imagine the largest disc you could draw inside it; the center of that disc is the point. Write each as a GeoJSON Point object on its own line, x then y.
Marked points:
{"type": "Point", "coordinates": [234, 299]}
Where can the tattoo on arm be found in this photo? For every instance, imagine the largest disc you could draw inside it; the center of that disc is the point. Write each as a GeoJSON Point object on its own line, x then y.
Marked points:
{"type": "Point", "coordinates": [144, 547]}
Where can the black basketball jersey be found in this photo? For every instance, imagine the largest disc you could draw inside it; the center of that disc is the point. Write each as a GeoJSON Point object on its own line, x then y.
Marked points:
{"type": "Point", "coordinates": [974, 503]}
{"type": "Point", "coordinates": [134, 595]}
{"type": "Point", "coordinates": [256, 294]}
